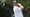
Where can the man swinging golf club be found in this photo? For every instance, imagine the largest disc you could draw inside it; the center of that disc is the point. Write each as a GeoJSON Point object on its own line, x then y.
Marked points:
{"type": "Point", "coordinates": [17, 10]}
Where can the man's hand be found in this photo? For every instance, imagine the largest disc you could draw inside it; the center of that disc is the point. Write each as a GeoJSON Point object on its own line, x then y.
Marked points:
{"type": "Point", "coordinates": [21, 6]}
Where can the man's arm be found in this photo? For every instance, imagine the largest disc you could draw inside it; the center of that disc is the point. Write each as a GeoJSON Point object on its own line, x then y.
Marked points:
{"type": "Point", "coordinates": [21, 6]}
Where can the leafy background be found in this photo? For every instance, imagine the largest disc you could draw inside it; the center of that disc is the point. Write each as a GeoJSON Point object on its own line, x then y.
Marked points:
{"type": "Point", "coordinates": [26, 4]}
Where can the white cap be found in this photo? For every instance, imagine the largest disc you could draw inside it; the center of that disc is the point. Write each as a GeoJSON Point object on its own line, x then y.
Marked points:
{"type": "Point", "coordinates": [14, 1]}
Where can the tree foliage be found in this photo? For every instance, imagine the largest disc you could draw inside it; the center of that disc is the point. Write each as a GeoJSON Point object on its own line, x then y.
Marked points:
{"type": "Point", "coordinates": [9, 0]}
{"type": "Point", "coordinates": [26, 4]}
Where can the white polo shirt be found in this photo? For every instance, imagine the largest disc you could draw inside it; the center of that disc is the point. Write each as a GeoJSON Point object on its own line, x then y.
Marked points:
{"type": "Point", "coordinates": [17, 11]}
